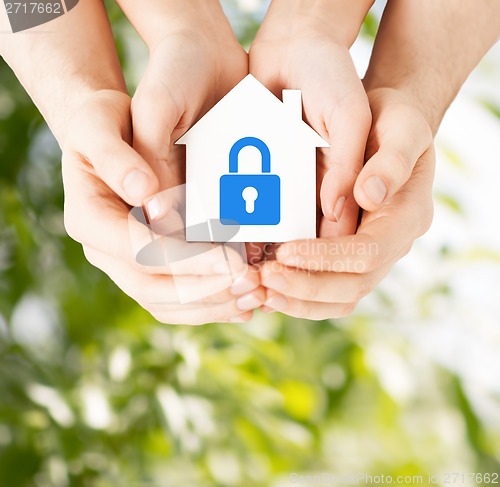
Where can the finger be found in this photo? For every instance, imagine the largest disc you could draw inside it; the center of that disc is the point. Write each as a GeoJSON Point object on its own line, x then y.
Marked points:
{"type": "Point", "coordinates": [103, 143]}
{"type": "Point", "coordinates": [160, 290]}
{"type": "Point", "coordinates": [156, 112]}
{"type": "Point", "coordinates": [347, 208]}
{"type": "Point", "coordinates": [175, 256]}
{"type": "Point", "coordinates": [383, 236]}
{"type": "Point", "coordinates": [238, 309]}
{"type": "Point", "coordinates": [402, 136]}
{"type": "Point", "coordinates": [346, 117]}
{"type": "Point", "coordinates": [269, 252]}
{"type": "Point", "coordinates": [162, 111]}
{"type": "Point", "coordinates": [233, 311]}
{"type": "Point", "coordinates": [255, 252]}
{"type": "Point", "coordinates": [379, 243]}
{"type": "Point", "coordinates": [201, 316]}
{"type": "Point", "coordinates": [95, 217]}
{"type": "Point", "coordinates": [336, 106]}
{"type": "Point", "coordinates": [307, 309]}
{"type": "Point", "coordinates": [243, 318]}
{"type": "Point", "coordinates": [349, 125]}
{"type": "Point", "coordinates": [323, 287]}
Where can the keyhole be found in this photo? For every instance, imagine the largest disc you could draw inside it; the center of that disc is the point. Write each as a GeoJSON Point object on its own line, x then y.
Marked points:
{"type": "Point", "coordinates": [250, 194]}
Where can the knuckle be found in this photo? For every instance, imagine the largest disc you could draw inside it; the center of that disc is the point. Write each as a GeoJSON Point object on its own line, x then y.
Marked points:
{"type": "Point", "coordinates": [426, 219]}
{"type": "Point", "coordinates": [363, 288]}
{"type": "Point", "coordinates": [350, 308]}
{"type": "Point", "coordinates": [313, 290]}
{"type": "Point", "coordinates": [221, 315]}
{"type": "Point", "coordinates": [346, 310]}
{"type": "Point", "coordinates": [372, 263]}
{"type": "Point", "coordinates": [360, 108]}
{"type": "Point", "coordinates": [162, 316]}
{"type": "Point", "coordinates": [107, 157]}
{"type": "Point", "coordinates": [400, 166]}
{"type": "Point", "coordinates": [90, 255]}
{"type": "Point", "coordinates": [257, 50]}
{"type": "Point", "coordinates": [142, 298]}
{"type": "Point", "coordinates": [407, 249]}
{"type": "Point", "coordinates": [71, 226]}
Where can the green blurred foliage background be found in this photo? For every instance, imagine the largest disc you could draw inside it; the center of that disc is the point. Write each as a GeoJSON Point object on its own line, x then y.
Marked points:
{"type": "Point", "coordinates": [95, 393]}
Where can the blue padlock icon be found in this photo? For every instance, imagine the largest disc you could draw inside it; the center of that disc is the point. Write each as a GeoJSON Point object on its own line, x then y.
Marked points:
{"type": "Point", "coordinates": [250, 199]}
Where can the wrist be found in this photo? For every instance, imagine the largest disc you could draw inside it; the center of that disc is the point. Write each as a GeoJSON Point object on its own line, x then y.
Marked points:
{"type": "Point", "coordinates": [396, 99]}
{"type": "Point", "coordinates": [412, 92]}
{"type": "Point", "coordinates": [59, 96]}
{"type": "Point", "coordinates": [157, 20]}
{"type": "Point", "coordinates": [95, 102]}
{"type": "Point", "coordinates": [63, 109]}
{"type": "Point", "coordinates": [63, 67]}
{"type": "Point", "coordinates": [335, 19]}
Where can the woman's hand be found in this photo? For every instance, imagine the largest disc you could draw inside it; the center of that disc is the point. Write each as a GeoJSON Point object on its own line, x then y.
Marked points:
{"type": "Point", "coordinates": [194, 61]}
{"type": "Point", "coordinates": [306, 47]}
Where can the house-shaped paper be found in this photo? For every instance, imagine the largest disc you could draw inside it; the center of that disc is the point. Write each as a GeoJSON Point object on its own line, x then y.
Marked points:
{"type": "Point", "coordinates": [253, 139]}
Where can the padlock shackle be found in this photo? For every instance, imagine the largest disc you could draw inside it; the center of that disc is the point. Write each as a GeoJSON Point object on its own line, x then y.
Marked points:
{"type": "Point", "coordinates": [249, 142]}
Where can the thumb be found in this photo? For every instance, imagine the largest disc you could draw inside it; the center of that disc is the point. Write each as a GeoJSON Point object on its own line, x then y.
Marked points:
{"type": "Point", "coordinates": [99, 133]}
{"type": "Point", "coordinates": [155, 116]}
{"type": "Point", "coordinates": [402, 139]}
{"type": "Point", "coordinates": [157, 111]}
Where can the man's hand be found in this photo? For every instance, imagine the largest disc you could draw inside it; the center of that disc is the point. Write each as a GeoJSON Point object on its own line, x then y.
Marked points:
{"type": "Point", "coordinates": [325, 278]}
{"type": "Point", "coordinates": [306, 47]}
{"type": "Point", "coordinates": [97, 215]}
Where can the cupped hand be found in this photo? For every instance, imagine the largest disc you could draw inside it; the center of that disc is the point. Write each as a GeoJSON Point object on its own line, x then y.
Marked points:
{"type": "Point", "coordinates": [326, 278]}
{"type": "Point", "coordinates": [188, 72]}
{"type": "Point", "coordinates": [103, 178]}
{"type": "Point", "coordinates": [296, 52]}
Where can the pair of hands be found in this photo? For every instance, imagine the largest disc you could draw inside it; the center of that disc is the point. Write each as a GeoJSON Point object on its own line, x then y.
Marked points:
{"type": "Point", "coordinates": [119, 153]}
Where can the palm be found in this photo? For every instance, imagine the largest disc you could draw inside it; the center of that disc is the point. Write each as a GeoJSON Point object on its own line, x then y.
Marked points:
{"type": "Point", "coordinates": [183, 81]}
{"type": "Point", "coordinates": [335, 105]}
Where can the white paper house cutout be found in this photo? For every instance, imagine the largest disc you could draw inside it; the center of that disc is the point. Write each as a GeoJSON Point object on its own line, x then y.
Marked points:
{"type": "Point", "coordinates": [251, 110]}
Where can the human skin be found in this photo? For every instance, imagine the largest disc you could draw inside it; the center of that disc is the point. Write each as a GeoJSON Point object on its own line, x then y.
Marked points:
{"type": "Point", "coordinates": [327, 277]}
{"type": "Point", "coordinates": [83, 108]}
{"type": "Point", "coordinates": [410, 84]}
{"type": "Point", "coordinates": [304, 45]}
{"type": "Point", "coordinates": [72, 73]}
{"type": "Point", "coordinates": [195, 60]}
{"type": "Point", "coordinates": [428, 62]}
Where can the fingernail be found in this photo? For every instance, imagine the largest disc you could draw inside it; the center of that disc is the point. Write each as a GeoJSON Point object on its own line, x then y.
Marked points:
{"type": "Point", "coordinates": [242, 285]}
{"type": "Point", "coordinates": [248, 302]}
{"type": "Point", "coordinates": [375, 189]}
{"type": "Point", "coordinates": [275, 281]}
{"type": "Point", "coordinates": [339, 208]}
{"type": "Point", "coordinates": [136, 185]}
{"type": "Point", "coordinates": [153, 208]}
{"type": "Point", "coordinates": [277, 302]}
